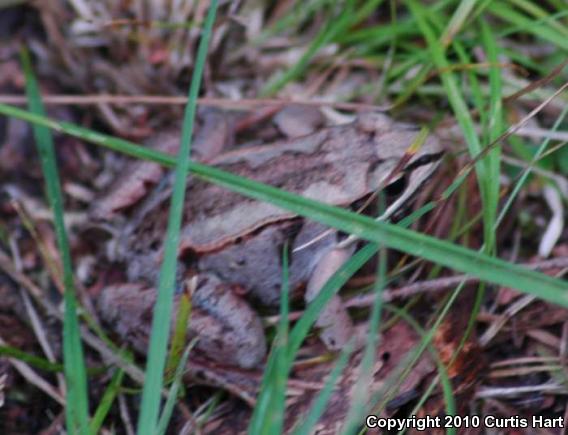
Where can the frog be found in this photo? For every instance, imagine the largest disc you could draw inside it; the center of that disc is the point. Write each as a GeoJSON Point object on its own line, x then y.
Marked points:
{"type": "Point", "coordinates": [231, 246]}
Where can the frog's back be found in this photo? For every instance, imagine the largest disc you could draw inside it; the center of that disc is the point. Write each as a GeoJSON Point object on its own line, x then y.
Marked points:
{"type": "Point", "coordinates": [336, 165]}
{"type": "Point", "coordinates": [330, 166]}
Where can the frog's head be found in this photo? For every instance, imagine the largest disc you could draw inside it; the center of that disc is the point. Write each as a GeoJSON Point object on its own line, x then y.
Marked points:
{"type": "Point", "coordinates": [406, 159]}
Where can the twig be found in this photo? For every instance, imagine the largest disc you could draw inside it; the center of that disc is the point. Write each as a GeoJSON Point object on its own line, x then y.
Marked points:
{"type": "Point", "coordinates": [125, 415]}
{"type": "Point", "coordinates": [33, 378]}
{"type": "Point", "coordinates": [96, 99]}
{"type": "Point", "coordinates": [484, 393]}
{"type": "Point", "coordinates": [441, 284]}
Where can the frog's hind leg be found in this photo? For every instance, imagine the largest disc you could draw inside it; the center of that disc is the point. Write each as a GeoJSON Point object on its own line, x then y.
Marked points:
{"type": "Point", "coordinates": [229, 330]}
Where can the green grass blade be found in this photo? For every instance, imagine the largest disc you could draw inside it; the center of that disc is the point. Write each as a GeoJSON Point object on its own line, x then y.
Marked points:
{"type": "Point", "coordinates": [161, 320]}
{"type": "Point", "coordinates": [526, 172]}
{"type": "Point", "coordinates": [28, 358]}
{"type": "Point", "coordinates": [484, 167]}
{"type": "Point", "coordinates": [361, 391]}
{"type": "Point", "coordinates": [268, 415]}
{"type": "Point", "coordinates": [494, 128]}
{"type": "Point", "coordinates": [457, 21]}
{"type": "Point", "coordinates": [331, 287]}
{"type": "Point", "coordinates": [106, 402]}
{"type": "Point", "coordinates": [541, 14]}
{"type": "Point", "coordinates": [381, 397]}
{"type": "Point", "coordinates": [303, 326]}
{"type": "Point", "coordinates": [323, 37]}
{"type": "Point", "coordinates": [449, 398]}
{"type": "Point", "coordinates": [447, 254]}
{"type": "Point", "coordinates": [179, 337]}
{"type": "Point", "coordinates": [538, 29]}
{"type": "Point", "coordinates": [448, 79]}
{"type": "Point", "coordinates": [174, 390]}
{"type": "Point", "coordinates": [319, 404]}
{"type": "Point", "coordinates": [347, 18]}
{"type": "Point", "coordinates": [77, 408]}
{"type": "Point", "coordinates": [298, 14]}
{"type": "Point", "coordinates": [282, 366]}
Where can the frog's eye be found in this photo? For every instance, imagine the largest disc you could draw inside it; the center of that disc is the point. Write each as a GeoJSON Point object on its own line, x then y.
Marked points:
{"type": "Point", "coordinates": [397, 187]}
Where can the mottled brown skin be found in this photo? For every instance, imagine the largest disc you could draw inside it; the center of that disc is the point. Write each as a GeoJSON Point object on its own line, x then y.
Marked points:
{"type": "Point", "coordinates": [240, 240]}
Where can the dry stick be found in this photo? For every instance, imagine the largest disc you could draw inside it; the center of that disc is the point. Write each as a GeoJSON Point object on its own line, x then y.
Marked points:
{"type": "Point", "coordinates": [82, 100]}
{"type": "Point", "coordinates": [542, 133]}
{"type": "Point", "coordinates": [33, 378]}
{"type": "Point", "coordinates": [432, 286]}
{"type": "Point", "coordinates": [39, 332]}
{"type": "Point", "coordinates": [524, 371]}
{"type": "Point", "coordinates": [504, 318]}
{"type": "Point", "coordinates": [485, 393]}
{"type": "Point", "coordinates": [525, 360]}
{"type": "Point", "coordinates": [563, 181]}
{"type": "Point", "coordinates": [537, 83]}
{"type": "Point", "coordinates": [33, 316]}
{"type": "Point", "coordinates": [88, 100]}
{"type": "Point", "coordinates": [125, 415]}
{"type": "Point", "coordinates": [441, 284]}
{"type": "Point", "coordinates": [511, 311]}
{"type": "Point", "coordinates": [544, 337]}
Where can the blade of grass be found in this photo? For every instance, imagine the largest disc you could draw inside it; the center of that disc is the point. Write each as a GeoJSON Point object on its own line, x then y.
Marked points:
{"type": "Point", "coordinates": [106, 402]}
{"type": "Point", "coordinates": [319, 404]}
{"type": "Point", "coordinates": [457, 21]}
{"type": "Point", "coordinates": [443, 377]}
{"type": "Point", "coordinates": [282, 367]}
{"type": "Point", "coordinates": [323, 37]}
{"type": "Point", "coordinates": [310, 314]}
{"type": "Point", "coordinates": [368, 40]}
{"type": "Point", "coordinates": [161, 320]}
{"type": "Point", "coordinates": [455, 257]}
{"type": "Point", "coordinates": [180, 334]}
{"type": "Point", "coordinates": [77, 409]}
{"type": "Point", "coordinates": [28, 358]}
{"type": "Point", "coordinates": [331, 287]}
{"type": "Point", "coordinates": [361, 392]}
{"type": "Point", "coordinates": [486, 167]}
{"type": "Point", "coordinates": [304, 324]}
{"type": "Point", "coordinates": [173, 394]}
{"type": "Point", "coordinates": [268, 415]}
{"type": "Point", "coordinates": [495, 128]}
{"type": "Point", "coordinates": [526, 172]}
{"type": "Point", "coordinates": [348, 17]}
{"type": "Point", "coordinates": [380, 398]}
{"type": "Point", "coordinates": [518, 27]}
{"type": "Point", "coordinates": [526, 24]}
{"type": "Point", "coordinates": [298, 14]}
{"type": "Point", "coordinates": [542, 15]}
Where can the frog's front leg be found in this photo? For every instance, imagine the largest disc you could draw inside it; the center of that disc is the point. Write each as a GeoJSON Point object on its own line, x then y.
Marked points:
{"type": "Point", "coordinates": [336, 327]}
{"type": "Point", "coordinates": [227, 328]}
